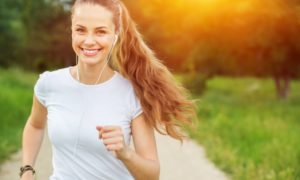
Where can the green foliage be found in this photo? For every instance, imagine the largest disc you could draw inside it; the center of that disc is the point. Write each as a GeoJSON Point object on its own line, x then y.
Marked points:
{"type": "Point", "coordinates": [247, 131]}
{"type": "Point", "coordinates": [12, 36]}
{"type": "Point", "coordinates": [195, 82]}
{"type": "Point", "coordinates": [223, 36]}
{"type": "Point", "coordinates": [15, 102]}
{"type": "Point", "coordinates": [213, 37]}
{"type": "Point", "coordinates": [236, 40]}
{"type": "Point", "coordinates": [48, 28]}
{"type": "Point", "coordinates": [35, 34]}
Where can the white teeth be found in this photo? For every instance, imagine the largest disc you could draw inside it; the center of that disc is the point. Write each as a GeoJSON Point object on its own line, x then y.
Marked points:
{"type": "Point", "coordinates": [90, 52]}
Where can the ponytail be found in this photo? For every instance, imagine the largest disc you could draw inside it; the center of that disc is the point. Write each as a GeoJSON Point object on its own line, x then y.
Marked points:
{"type": "Point", "coordinates": [164, 101]}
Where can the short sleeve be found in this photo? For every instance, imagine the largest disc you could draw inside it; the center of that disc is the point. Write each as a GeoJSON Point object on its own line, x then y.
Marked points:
{"type": "Point", "coordinates": [40, 89]}
{"type": "Point", "coordinates": [136, 108]}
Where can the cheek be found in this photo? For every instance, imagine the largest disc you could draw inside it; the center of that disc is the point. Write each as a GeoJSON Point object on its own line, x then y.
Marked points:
{"type": "Point", "coordinates": [103, 40]}
{"type": "Point", "coordinates": [76, 41]}
{"type": "Point", "coordinates": [75, 45]}
{"type": "Point", "coordinates": [79, 40]}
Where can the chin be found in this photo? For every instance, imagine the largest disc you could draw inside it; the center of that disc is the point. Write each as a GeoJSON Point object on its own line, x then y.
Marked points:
{"type": "Point", "coordinates": [91, 60]}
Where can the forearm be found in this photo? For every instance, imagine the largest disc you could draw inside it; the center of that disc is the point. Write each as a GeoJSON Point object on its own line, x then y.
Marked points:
{"type": "Point", "coordinates": [141, 168]}
{"type": "Point", "coordinates": [32, 139]}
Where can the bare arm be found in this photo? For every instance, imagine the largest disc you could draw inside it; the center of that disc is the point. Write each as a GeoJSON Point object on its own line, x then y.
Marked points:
{"type": "Point", "coordinates": [142, 163]}
{"type": "Point", "coordinates": [33, 134]}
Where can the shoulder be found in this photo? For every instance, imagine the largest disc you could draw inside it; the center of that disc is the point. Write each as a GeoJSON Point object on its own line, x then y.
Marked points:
{"type": "Point", "coordinates": [123, 82]}
{"type": "Point", "coordinates": [54, 73]}
{"type": "Point", "coordinates": [47, 79]}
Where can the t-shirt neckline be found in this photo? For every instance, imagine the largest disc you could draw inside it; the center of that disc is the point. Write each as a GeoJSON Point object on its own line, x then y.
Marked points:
{"type": "Point", "coordinates": [105, 83]}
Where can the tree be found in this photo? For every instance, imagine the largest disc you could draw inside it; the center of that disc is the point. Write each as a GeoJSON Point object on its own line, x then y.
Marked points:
{"type": "Point", "coordinates": [48, 42]}
{"type": "Point", "coordinates": [257, 38]}
{"type": "Point", "coordinates": [11, 38]}
{"type": "Point", "coordinates": [35, 34]}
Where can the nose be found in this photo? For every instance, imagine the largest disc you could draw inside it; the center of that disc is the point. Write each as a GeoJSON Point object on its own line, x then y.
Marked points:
{"type": "Point", "coordinates": [89, 40]}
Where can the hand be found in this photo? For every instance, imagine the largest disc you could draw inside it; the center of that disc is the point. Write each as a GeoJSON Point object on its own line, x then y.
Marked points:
{"type": "Point", "coordinates": [113, 139]}
{"type": "Point", "coordinates": [27, 176]}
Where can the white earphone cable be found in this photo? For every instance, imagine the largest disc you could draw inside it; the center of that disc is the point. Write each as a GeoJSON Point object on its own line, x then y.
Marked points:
{"type": "Point", "coordinates": [106, 62]}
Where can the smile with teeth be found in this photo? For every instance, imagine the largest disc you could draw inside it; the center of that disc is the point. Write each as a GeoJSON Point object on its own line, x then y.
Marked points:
{"type": "Point", "coordinates": [90, 52]}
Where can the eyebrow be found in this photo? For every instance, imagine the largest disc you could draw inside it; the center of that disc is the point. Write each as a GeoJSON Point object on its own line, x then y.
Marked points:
{"type": "Point", "coordinates": [97, 28]}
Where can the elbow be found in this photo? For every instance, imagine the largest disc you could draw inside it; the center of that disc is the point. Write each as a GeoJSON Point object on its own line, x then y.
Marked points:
{"type": "Point", "coordinates": [36, 123]}
{"type": "Point", "coordinates": [157, 171]}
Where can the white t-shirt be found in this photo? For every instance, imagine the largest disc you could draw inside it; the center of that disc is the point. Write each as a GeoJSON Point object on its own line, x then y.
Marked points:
{"type": "Point", "coordinates": [74, 111]}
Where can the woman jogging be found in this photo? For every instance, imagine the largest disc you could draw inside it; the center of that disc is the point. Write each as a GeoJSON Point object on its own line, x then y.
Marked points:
{"type": "Point", "coordinates": [118, 89]}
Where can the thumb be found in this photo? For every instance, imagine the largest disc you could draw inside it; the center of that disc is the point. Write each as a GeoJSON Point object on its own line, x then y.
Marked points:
{"type": "Point", "coordinates": [99, 128]}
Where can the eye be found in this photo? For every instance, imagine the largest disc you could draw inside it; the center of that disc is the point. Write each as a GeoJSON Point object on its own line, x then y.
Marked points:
{"type": "Point", "coordinates": [100, 32]}
{"type": "Point", "coordinates": [80, 30]}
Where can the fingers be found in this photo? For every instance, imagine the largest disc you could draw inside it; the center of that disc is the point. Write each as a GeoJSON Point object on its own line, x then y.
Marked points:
{"type": "Point", "coordinates": [99, 128]}
{"type": "Point", "coordinates": [107, 128]}
{"type": "Point", "coordinates": [109, 131]}
{"type": "Point", "coordinates": [113, 139]}
{"type": "Point", "coordinates": [110, 128]}
{"type": "Point", "coordinates": [114, 147]}
{"type": "Point", "coordinates": [110, 134]}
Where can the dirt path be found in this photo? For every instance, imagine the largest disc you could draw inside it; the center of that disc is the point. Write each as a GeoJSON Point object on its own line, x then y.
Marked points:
{"type": "Point", "coordinates": [187, 162]}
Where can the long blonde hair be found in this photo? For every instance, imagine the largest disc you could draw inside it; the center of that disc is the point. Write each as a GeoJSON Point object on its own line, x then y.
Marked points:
{"type": "Point", "coordinates": [164, 101]}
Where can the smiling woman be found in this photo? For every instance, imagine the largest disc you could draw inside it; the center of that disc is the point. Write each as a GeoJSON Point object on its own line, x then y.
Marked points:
{"type": "Point", "coordinates": [92, 34]}
{"type": "Point", "coordinates": [117, 89]}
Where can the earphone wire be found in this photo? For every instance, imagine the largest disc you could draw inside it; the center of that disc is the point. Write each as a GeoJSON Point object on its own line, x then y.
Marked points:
{"type": "Point", "coordinates": [80, 118]}
{"type": "Point", "coordinates": [113, 45]}
{"type": "Point", "coordinates": [78, 78]}
{"type": "Point", "coordinates": [106, 62]}
{"type": "Point", "coordinates": [99, 77]}
{"type": "Point", "coordinates": [77, 68]}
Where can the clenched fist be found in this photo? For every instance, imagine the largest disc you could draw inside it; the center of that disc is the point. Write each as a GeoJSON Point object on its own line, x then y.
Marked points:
{"type": "Point", "coordinates": [113, 140]}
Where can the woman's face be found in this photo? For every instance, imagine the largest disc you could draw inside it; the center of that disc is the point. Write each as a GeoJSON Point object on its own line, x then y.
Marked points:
{"type": "Point", "coordinates": [92, 32]}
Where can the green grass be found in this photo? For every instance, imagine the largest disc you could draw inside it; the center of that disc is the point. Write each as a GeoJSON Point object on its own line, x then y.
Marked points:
{"type": "Point", "coordinates": [247, 131]}
{"type": "Point", "coordinates": [16, 89]}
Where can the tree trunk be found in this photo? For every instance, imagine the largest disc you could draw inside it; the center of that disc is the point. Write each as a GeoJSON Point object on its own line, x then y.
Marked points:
{"type": "Point", "coordinates": [282, 86]}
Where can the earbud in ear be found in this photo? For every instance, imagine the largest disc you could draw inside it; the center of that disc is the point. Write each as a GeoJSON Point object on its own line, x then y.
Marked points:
{"type": "Point", "coordinates": [116, 39]}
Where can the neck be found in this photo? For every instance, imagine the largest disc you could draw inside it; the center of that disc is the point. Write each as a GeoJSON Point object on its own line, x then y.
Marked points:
{"type": "Point", "coordinates": [93, 74]}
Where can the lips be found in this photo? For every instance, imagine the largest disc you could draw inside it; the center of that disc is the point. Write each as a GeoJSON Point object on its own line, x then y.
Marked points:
{"type": "Point", "coordinates": [90, 52]}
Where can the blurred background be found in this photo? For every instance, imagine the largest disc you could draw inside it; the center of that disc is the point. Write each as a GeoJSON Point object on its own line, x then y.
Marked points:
{"type": "Point", "coordinates": [239, 58]}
